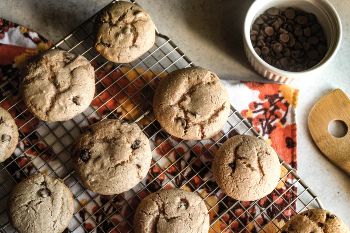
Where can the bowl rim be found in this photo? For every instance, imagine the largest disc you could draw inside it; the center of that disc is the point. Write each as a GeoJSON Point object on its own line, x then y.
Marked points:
{"type": "Point", "coordinates": [325, 60]}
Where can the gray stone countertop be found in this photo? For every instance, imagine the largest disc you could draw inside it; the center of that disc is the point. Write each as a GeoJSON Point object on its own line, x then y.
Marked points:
{"type": "Point", "coordinates": [209, 32]}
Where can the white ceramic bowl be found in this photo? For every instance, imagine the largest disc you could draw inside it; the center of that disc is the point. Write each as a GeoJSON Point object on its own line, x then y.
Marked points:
{"type": "Point", "coordinates": [327, 17]}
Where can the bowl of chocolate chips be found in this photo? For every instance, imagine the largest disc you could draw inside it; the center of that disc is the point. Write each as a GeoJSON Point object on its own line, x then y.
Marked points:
{"type": "Point", "coordinates": [285, 40]}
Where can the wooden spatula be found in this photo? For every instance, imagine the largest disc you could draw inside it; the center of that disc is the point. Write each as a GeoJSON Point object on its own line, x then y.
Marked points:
{"type": "Point", "coordinates": [333, 106]}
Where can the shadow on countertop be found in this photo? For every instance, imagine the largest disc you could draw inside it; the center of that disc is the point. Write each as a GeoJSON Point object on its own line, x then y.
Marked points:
{"type": "Point", "coordinates": [221, 22]}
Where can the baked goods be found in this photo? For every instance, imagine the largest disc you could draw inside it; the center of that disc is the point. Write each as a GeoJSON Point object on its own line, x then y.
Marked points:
{"type": "Point", "coordinates": [246, 168]}
{"type": "Point", "coordinates": [191, 104]}
{"type": "Point", "coordinates": [8, 135]}
{"type": "Point", "coordinates": [58, 85]}
{"type": "Point", "coordinates": [124, 32]}
{"type": "Point", "coordinates": [172, 211]}
{"type": "Point", "coordinates": [112, 156]}
{"type": "Point", "coordinates": [316, 221]}
{"type": "Point", "coordinates": [41, 203]}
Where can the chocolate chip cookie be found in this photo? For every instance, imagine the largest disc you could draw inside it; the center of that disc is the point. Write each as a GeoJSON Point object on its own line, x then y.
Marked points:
{"type": "Point", "coordinates": [246, 168]}
{"type": "Point", "coordinates": [41, 203]}
{"type": "Point", "coordinates": [58, 85]}
{"type": "Point", "coordinates": [125, 32]}
{"type": "Point", "coordinates": [112, 156]}
{"type": "Point", "coordinates": [172, 211]}
{"type": "Point", "coordinates": [316, 221]}
{"type": "Point", "coordinates": [191, 104]}
{"type": "Point", "coordinates": [8, 135]}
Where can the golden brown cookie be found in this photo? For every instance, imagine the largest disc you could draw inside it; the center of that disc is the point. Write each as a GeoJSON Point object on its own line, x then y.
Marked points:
{"type": "Point", "coordinates": [58, 86]}
{"type": "Point", "coordinates": [112, 156]}
{"type": "Point", "coordinates": [316, 221]}
{"type": "Point", "coordinates": [191, 104]}
{"type": "Point", "coordinates": [246, 168]}
{"type": "Point", "coordinates": [172, 211]}
{"type": "Point", "coordinates": [124, 32]}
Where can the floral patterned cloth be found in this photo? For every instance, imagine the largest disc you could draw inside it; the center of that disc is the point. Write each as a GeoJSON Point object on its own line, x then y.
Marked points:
{"type": "Point", "coordinates": [121, 93]}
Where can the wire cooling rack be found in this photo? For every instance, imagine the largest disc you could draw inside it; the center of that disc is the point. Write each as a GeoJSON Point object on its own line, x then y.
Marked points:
{"type": "Point", "coordinates": [125, 92]}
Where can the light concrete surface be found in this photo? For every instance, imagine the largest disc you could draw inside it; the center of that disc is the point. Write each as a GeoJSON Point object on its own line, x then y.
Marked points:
{"type": "Point", "coordinates": [210, 33]}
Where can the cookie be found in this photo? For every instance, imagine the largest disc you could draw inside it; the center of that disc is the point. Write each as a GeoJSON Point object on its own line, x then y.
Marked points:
{"type": "Point", "coordinates": [58, 86]}
{"type": "Point", "coordinates": [112, 157]}
{"type": "Point", "coordinates": [8, 135]}
{"type": "Point", "coordinates": [41, 203]}
{"type": "Point", "coordinates": [246, 168]}
{"type": "Point", "coordinates": [316, 221]}
{"type": "Point", "coordinates": [172, 211]}
{"type": "Point", "coordinates": [124, 32]}
{"type": "Point", "coordinates": [191, 104]}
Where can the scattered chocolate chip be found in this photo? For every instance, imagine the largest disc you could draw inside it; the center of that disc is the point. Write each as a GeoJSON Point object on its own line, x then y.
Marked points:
{"type": "Point", "coordinates": [313, 54]}
{"type": "Point", "coordinates": [44, 192]}
{"type": "Point", "coordinates": [273, 11]}
{"type": "Point", "coordinates": [269, 31]}
{"type": "Point", "coordinates": [301, 19]}
{"type": "Point", "coordinates": [265, 50]}
{"type": "Point", "coordinates": [290, 13]}
{"type": "Point", "coordinates": [257, 50]}
{"type": "Point", "coordinates": [330, 216]}
{"type": "Point", "coordinates": [277, 47]}
{"type": "Point", "coordinates": [284, 37]}
{"type": "Point", "coordinates": [313, 40]}
{"type": "Point", "coordinates": [259, 21]}
{"type": "Point", "coordinates": [85, 155]}
{"type": "Point", "coordinates": [2, 121]}
{"type": "Point", "coordinates": [183, 205]}
{"type": "Point", "coordinates": [136, 144]}
{"type": "Point", "coordinates": [77, 100]}
{"type": "Point", "coordinates": [5, 138]}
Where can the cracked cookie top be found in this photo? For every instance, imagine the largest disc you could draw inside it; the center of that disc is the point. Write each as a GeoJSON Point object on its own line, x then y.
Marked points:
{"type": "Point", "coordinates": [41, 203]}
{"type": "Point", "coordinates": [172, 211]}
{"type": "Point", "coordinates": [124, 32]}
{"type": "Point", "coordinates": [191, 104]}
{"type": "Point", "coordinates": [8, 135]}
{"type": "Point", "coordinates": [246, 168]}
{"type": "Point", "coordinates": [315, 221]}
{"type": "Point", "coordinates": [58, 85]}
{"type": "Point", "coordinates": [112, 156]}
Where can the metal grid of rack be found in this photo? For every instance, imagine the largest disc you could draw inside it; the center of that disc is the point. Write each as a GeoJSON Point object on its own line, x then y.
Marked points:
{"type": "Point", "coordinates": [125, 91]}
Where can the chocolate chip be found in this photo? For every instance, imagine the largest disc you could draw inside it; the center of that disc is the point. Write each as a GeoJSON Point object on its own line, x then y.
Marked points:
{"type": "Point", "coordinates": [85, 155]}
{"type": "Point", "coordinates": [301, 19]}
{"type": "Point", "coordinates": [277, 47]}
{"type": "Point", "coordinates": [77, 100]}
{"type": "Point", "coordinates": [311, 17]}
{"type": "Point", "coordinates": [257, 50]}
{"type": "Point", "coordinates": [265, 50]}
{"type": "Point", "coordinates": [298, 30]}
{"type": "Point", "coordinates": [136, 144]}
{"type": "Point", "coordinates": [313, 40]}
{"type": "Point", "coordinates": [256, 27]}
{"type": "Point", "coordinates": [259, 21]}
{"type": "Point", "coordinates": [44, 192]}
{"type": "Point", "coordinates": [183, 205]}
{"type": "Point", "coordinates": [284, 37]}
{"type": "Point", "coordinates": [5, 138]}
{"type": "Point", "coordinates": [307, 32]}
{"type": "Point", "coordinates": [269, 31]}
{"type": "Point", "coordinates": [273, 11]}
{"type": "Point", "coordinates": [330, 216]}
{"type": "Point", "coordinates": [232, 165]}
{"type": "Point", "coordinates": [313, 54]}
{"type": "Point", "coordinates": [306, 46]}
{"type": "Point", "coordinates": [2, 121]}
{"type": "Point", "coordinates": [286, 52]}
{"type": "Point", "coordinates": [290, 13]}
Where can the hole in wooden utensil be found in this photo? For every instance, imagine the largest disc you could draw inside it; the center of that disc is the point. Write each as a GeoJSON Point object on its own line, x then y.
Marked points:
{"type": "Point", "coordinates": [337, 128]}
